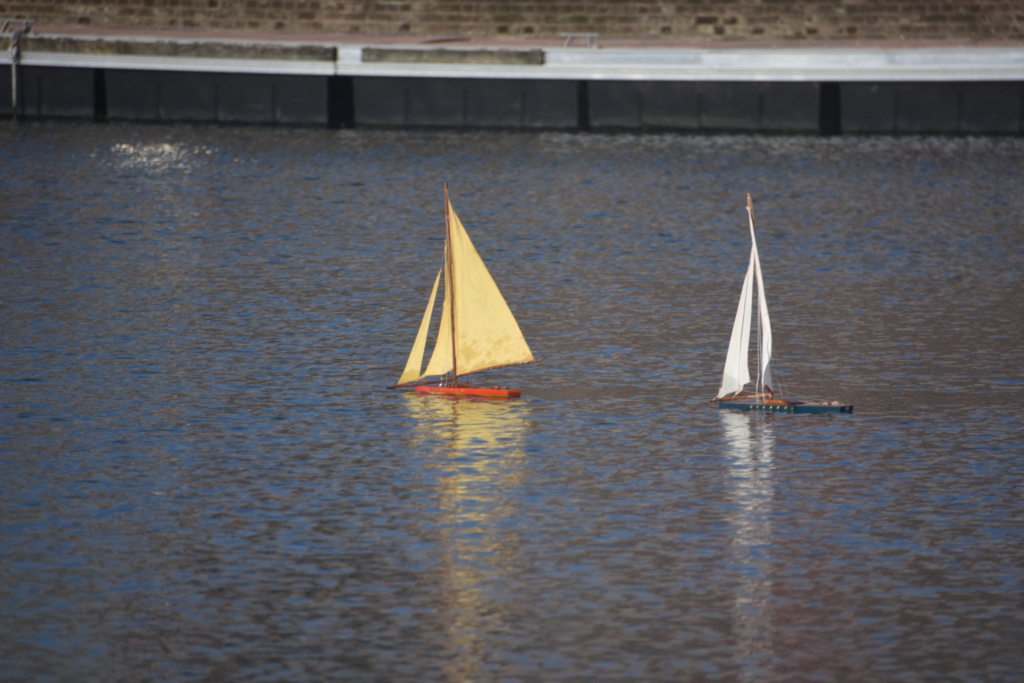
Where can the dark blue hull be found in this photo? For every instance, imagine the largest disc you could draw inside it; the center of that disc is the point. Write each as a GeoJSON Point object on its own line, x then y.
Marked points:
{"type": "Point", "coordinates": [783, 406]}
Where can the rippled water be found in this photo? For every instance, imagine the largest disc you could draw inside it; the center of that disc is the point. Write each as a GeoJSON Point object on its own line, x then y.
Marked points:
{"type": "Point", "coordinates": [204, 478]}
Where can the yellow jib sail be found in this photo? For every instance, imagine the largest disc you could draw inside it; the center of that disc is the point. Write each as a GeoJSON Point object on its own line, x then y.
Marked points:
{"type": "Point", "coordinates": [441, 359]}
{"type": "Point", "coordinates": [412, 366]}
{"type": "Point", "coordinates": [486, 333]}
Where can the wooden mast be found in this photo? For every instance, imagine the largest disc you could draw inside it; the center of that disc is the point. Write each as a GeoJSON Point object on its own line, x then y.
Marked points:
{"type": "Point", "coordinates": [450, 277]}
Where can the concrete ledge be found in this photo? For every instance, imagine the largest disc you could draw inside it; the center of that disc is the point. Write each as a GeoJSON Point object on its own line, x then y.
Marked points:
{"type": "Point", "coordinates": [187, 49]}
{"type": "Point", "coordinates": [452, 56]}
{"type": "Point", "coordinates": [842, 64]}
{"type": "Point", "coordinates": [191, 64]}
{"type": "Point", "coordinates": [837, 63]}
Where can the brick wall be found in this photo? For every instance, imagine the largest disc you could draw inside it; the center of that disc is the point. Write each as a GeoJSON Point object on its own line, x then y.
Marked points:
{"type": "Point", "coordinates": [714, 19]}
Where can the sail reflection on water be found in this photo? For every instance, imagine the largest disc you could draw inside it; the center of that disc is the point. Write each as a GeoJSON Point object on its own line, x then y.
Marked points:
{"type": "Point", "coordinates": [750, 442]}
{"type": "Point", "coordinates": [476, 447]}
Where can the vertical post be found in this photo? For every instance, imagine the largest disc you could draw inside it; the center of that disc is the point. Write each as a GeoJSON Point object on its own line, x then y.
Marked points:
{"type": "Point", "coordinates": [830, 114]}
{"type": "Point", "coordinates": [340, 102]}
{"type": "Point", "coordinates": [99, 89]}
{"type": "Point", "coordinates": [14, 88]}
{"type": "Point", "coordinates": [15, 50]}
{"type": "Point", "coordinates": [15, 58]}
{"type": "Point", "coordinates": [582, 106]}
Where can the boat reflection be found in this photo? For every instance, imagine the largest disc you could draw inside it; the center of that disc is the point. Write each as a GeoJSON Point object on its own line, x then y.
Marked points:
{"type": "Point", "coordinates": [476, 447]}
{"type": "Point", "coordinates": [750, 444]}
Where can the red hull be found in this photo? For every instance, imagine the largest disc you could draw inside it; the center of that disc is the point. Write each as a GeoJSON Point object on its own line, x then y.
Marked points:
{"type": "Point", "coordinates": [460, 390]}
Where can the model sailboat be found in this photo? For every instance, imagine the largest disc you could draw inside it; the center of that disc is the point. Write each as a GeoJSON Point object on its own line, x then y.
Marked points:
{"type": "Point", "coordinates": [477, 331]}
{"type": "Point", "coordinates": [765, 396]}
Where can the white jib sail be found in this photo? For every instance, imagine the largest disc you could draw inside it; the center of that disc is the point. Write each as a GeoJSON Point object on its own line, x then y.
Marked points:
{"type": "Point", "coordinates": [737, 371]}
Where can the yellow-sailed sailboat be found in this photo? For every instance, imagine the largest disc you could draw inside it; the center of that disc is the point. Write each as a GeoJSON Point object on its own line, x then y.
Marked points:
{"type": "Point", "coordinates": [477, 331]}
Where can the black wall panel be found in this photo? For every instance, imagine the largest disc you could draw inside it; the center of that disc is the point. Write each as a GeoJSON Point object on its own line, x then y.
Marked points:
{"type": "Point", "coordinates": [60, 92]}
{"type": "Point", "coordinates": [744, 106]}
{"type": "Point", "coordinates": [754, 106]}
{"type": "Point", "coordinates": [471, 103]}
{"type": "Point", "coordinates": [950, 107]}
{"type": "Point", "coordinates": [229, 98]}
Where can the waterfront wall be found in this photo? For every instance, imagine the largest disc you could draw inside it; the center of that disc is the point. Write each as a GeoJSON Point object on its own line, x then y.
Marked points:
{"type": "Point", "coordinates": [709, 86]}
{"type": "Point", "coordinates": [676, 19]}
{"type": "Point", "coordinates": [519, 104]}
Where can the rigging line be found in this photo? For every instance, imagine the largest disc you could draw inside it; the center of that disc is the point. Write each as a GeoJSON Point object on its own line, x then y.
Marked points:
{"type": "Point", "coordinates": [742, 358]}
{"type": "Point", "coordinates": [759, 385]}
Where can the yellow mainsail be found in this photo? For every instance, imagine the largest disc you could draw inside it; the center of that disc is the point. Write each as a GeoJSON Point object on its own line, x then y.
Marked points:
{"type": "Point", "coordinates": [486, 334]}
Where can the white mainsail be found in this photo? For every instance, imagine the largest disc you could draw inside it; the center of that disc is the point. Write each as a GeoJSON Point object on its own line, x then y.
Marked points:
{"type": "Point", "coordinates": [737, 372]}
{"type": "Point", "coordinates": [764, 382]}
{"type": "Point", "coordinates": [486, 334]}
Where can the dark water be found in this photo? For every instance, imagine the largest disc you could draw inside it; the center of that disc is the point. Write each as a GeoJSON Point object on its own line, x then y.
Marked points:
{"type": "Point", "coordinates": [203, 478]}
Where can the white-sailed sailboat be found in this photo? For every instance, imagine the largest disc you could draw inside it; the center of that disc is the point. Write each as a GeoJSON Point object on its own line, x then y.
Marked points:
{"type": "Point", "coordinates": [477, 330]}
{"type": "Point", "coordinates": [763, 397]}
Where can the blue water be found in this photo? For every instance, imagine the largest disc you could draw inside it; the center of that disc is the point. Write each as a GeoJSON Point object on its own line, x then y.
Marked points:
{"type": "Point", "coordinates": [204, 478]}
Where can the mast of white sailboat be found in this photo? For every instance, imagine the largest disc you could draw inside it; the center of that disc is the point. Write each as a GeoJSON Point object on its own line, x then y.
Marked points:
{"type": "Point", "coordinates": [764, 327]}
{"type": "Point", "coordinates": [450, 277]}
{"type": "Point", "coordinates": [759, 384]}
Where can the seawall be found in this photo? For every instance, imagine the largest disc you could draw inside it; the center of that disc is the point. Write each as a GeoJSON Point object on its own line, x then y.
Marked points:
{"type": "Point", "coordinates": [561, 83]}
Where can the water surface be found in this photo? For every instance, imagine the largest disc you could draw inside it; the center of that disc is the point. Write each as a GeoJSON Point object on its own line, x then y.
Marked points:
{"type": "Point", "coordinates": [205, 479]}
